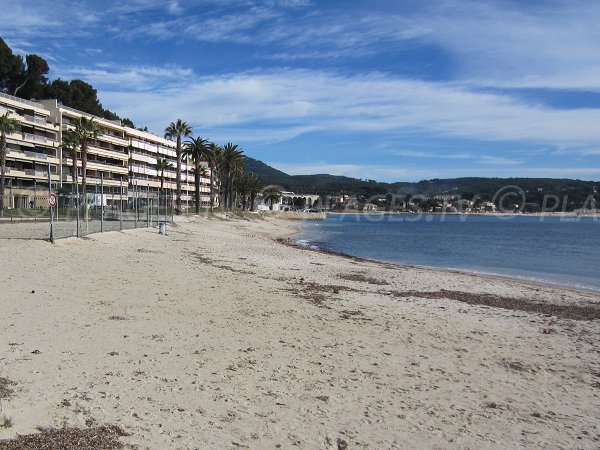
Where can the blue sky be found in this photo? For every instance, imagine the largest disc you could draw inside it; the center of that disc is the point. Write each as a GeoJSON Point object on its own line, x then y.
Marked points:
{"type": "Point", "coordinates": [389, 90]}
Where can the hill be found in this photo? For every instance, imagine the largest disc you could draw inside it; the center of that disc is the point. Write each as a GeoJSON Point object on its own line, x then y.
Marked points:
{"type": "Point", "coordinates": [573, 193]}
{"type": "Point", "coordinates": [310, 184]}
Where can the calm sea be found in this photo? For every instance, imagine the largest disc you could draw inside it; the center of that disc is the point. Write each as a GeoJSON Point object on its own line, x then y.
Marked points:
{"type": "Point", "coordinates": [554, 250]}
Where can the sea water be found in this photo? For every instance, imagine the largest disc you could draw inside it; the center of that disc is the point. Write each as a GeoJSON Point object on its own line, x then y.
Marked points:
{"type": "Point", "coordinates": [563, 251]}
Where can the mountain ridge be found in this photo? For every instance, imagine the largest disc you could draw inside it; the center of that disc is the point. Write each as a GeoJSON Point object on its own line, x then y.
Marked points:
{"type": "Point", "coordinates": [573, 193]}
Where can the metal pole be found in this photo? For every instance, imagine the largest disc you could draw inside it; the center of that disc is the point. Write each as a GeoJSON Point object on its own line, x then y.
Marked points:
{"type": "Point", "coordinates": [12, 200]}
{"type": "Point", "coordinates": [121, 206]}
{"type": "Point", "coordinates": [148, 206]}
{"type": "Point", "coordinates": [101, 202]}
{"type": "Point", "coordinates": [34, 201]}
{"type": "Point", "coordinates": [51, 208]}
{"type": "Point", "coordinates": [77, 199]}
{"type": "Point", "coordinates": [135, 203]}
{"type": "Point", "coordinates": [172, 201]}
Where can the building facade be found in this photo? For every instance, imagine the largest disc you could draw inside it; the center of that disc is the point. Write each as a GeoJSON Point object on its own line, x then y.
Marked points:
{"type": "Point", "coordinates": [30, 151]}
{"type": "Point", "coordinates": [123, 159]}
{"type": "Point", "coordinates": [108, 155]}
{"type": "Point", "coordinates": [145, 151]}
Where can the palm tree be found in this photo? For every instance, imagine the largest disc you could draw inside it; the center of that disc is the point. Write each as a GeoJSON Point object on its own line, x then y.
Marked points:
{"type": "Point", "coordinates": [177, 130]}
{"type": "Point", "coordinates": [217, 157]}
{"type": "Point", "coordinates": [69, 145]}
{"type": "Point", "coordinates": [272, 195]}
{"type": "Point", "coordinates": [161, 166]}
{"type": "Point", "coordinates": [85, 130]}
{"type": "Point", "coordinates": [255, 187]}
{"type": "Point", "coordinates": [8, 125]}
{"type": "Point", "coordinates": [196, 149]}
{"type": "Point", "coordinates": [212, 157]}
{"type": "Point", "coordinates": [232, 160]}
{"type": "Point", "coordinates": [248, 186]}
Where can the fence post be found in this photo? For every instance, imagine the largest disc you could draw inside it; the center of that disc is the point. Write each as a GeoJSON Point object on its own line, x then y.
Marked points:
{"type": "Point", "coordinates": [34, 200]}
{"type": "Point", "coordinates": [101, 202]}
{"type": "Point", "coordinates": [121, 206]}
{"type": "Point", "coordinates": [51, 208]}
{"type": "Point", "coordinates": [77, 199]}
{"type": "Point", "coordinates": [135, 203]}
{"type": "Point", "coordinates": [12, 200]}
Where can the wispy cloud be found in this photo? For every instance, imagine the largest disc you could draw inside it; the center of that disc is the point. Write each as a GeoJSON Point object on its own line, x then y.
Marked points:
{"type": "Point", "coordinates": [370, 103]}
{"type": "Point", "coordinates": [139, 78]}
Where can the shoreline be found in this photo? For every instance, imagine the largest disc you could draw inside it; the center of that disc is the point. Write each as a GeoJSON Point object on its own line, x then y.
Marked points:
{"type": "Point", "coordinates": [490, 276]}
{"type": "Point", "coordinates": [566, 214]}
{"type": "Point", "coordinates": [507, 277]}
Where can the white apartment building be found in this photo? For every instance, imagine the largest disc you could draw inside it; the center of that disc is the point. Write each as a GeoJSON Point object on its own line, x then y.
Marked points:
{"type": "Point", "coordinates": [108, 156]}
{"type": "Point", "coordinates": [145, 150]}
{"type": "Point", "coordinates": [29, 151]}
{"type": "Point", "coordinates": [124, 159]}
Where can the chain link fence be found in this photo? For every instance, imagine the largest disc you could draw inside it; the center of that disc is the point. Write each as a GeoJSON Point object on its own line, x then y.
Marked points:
{"type": "Point", "coordinates": [76, 215]}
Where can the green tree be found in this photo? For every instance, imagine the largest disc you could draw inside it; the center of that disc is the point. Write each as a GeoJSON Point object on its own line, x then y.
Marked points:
{"type": "Point", "coordinates": [271, 194]}
{"type": "Point", "coordinates": [8, 125]}
{"type": "Point", "coordinates": [253, 187]}
{"type": "Point", "coordinates": [217, 159]}
{"type": "Point", "coordinates": [212, 158]}
{"type": "Point", "coordinates": [70, 143]}
{"type": "Point", "coordinates": [11, 66]}
{"type": "Point", "coordinates": [85, 130]}
{"type": "Point", "coordinates": [178, 130]}
{"type": "Point", "coordinates": [196, 149]}
{"type": "Point", "coordinates": [161, 166]}
{"type": "Point", "coordinates": [232, 160]}
{"type": "Point", "coordinates": [32, 81]}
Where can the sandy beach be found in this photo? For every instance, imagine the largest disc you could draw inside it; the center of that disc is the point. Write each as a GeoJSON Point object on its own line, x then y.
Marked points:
{"type": "Point", "coordinates": [219, 336]}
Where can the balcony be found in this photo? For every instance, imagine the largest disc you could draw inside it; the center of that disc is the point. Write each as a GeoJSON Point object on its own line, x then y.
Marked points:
{"type": "Point", "coordinates": [115, 154]}
{"type": "Point", "coordinates": [107, 167]}
{"type": "Point", "coordinates": [31, 156]}
{"type": "Point", "coordinates": [115, 140]}
{"type": "Point", "coordinates": [30, 173]}
{"type": "Point", "coordinates": [39, 139]}
{"type": "Point", "coordinates": [40, 121]}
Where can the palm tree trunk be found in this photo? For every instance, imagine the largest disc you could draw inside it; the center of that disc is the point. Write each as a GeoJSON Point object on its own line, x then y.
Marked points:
{"type": "Point", "coordinates": [2, 171]}
{"type": "Point", "coordinates": [197, 185]}
{"type": "Point", "coordinates": [84, 170]}
{"type": "Point", "coordinates": [73, 173]}
{"type": "Point", "coordinates": [226, 193]}
{"type": "Point", "coordinates": [178, 187]}
{"type": "Point", "coordinates": [219, 191]}
{"type": "Point", "coordinates": [212, 194]}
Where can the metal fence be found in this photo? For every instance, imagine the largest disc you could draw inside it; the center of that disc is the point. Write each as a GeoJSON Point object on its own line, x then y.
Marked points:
{"type": "Point", "coordinates": [77, 215]}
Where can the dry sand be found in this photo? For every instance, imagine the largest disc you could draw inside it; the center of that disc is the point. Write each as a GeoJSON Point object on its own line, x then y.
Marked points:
{"type": "Point", "coordinates": [215, 336]}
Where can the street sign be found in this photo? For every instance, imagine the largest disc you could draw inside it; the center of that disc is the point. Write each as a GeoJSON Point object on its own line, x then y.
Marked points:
{"type": "Point", "coordinates": [52, 200]}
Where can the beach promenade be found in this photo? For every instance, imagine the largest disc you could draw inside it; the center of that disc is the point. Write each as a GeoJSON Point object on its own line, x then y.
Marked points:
{"type": "Point", "coordinates": [219, 336]}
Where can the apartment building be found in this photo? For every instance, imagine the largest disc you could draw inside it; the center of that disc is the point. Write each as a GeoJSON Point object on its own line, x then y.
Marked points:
{"type": "Point", "coordinates": [29, 151]}
{"type": "Point", "coordinates": [124, 159]}
{"type": "Point", "coordinates": [108, 155]}
{"type": "Point", "coordinates": [145, 150]}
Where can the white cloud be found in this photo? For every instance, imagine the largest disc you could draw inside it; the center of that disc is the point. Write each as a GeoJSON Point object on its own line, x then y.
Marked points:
{"type": "Point", "coordinates": [286, 101]}
{"type": "Point", "coordinates": [140, 78]}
